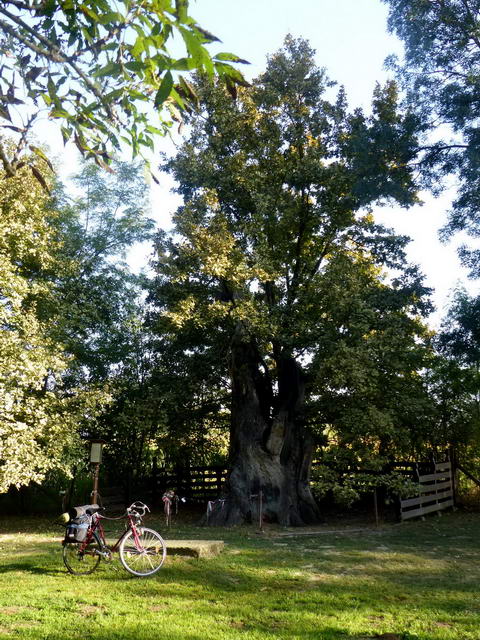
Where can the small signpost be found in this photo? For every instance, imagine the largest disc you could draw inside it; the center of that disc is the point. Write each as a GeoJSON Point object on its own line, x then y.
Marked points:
{"type": "Point", "coordinates": [96, 447]}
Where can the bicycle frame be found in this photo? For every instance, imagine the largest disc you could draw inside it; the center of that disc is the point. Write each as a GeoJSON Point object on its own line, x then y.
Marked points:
{"type": "Point", "coordinates": [96, 530]}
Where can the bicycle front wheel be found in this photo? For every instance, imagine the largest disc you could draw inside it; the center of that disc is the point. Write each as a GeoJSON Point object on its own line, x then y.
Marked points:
{"type": "Point", "coordinates": [81, 561]}
{"type": "Point", "coordinates": [145, 557]}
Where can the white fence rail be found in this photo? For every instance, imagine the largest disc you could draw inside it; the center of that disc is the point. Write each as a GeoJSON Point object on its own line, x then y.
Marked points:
{"type": "Point", "coordinates": [435, 493]}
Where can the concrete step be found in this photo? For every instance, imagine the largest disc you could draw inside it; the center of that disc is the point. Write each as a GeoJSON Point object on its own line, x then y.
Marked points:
{"type": "Point", "coordinates": [195, 548]}
{"type": "Point", "coordinates": [191, 548]}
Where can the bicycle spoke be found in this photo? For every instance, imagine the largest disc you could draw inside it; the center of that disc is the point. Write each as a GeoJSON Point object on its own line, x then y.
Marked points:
{"type": "Point", "coordinates": [146, 555]}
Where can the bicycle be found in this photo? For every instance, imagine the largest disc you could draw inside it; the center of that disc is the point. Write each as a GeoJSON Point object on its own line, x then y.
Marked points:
{"type": "Point", "coordinates": [142, 550]}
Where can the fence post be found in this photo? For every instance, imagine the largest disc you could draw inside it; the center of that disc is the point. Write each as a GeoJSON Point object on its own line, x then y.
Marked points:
{"type": "Point", "coordinates": [219, 481]}
{"type": "Point", "coordinates": [375, 505]}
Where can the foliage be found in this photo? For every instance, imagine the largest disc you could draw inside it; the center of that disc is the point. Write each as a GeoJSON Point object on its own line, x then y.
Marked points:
{"type": "Point", "coordinates": [38, 424]}
{"type": "Point", "coordinates": [374, 399]}
{"type": "Point", "coordinates": [459, 337]}
{"type": "Point", "coordinates": [347, 488]}
{"type": "Point", "coordinates": [103, 69]}
{"type": "Point", "coordinates": [96, 296]}
{"type": "Point", "coordinates": [441, 74]}
{"type": "Point", "coordinates": [455, 381]}
{"type": "Point", "coordinates": [168, 409]}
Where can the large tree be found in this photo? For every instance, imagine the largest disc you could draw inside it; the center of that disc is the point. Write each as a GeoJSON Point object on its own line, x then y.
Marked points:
{"type": "Point", "coordinates": [103, 69]}
{"type": "Point", "coordinates": [440, 72]}
{"type": "Point", "coordinates": [277, 189]}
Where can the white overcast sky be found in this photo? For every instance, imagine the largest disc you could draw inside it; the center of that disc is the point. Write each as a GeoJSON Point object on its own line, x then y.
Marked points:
{"type": "Point", "coordinates": [351, 40]}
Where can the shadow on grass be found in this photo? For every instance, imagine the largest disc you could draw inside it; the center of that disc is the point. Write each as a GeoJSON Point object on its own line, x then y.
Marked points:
{"type": "Point", "coordinates": [28, 567]}
{"type": "Point", "coordinates": [321, 633]}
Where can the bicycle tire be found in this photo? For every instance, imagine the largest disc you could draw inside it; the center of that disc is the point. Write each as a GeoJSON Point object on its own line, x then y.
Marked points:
{"type": "Point", "coordinates": [81, 562]}
{"type": "Point", "coordinates": [147, 560]}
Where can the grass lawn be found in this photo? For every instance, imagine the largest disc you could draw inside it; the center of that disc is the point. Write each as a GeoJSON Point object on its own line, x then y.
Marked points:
{"type": "Point", "coordinates": [411, 581]}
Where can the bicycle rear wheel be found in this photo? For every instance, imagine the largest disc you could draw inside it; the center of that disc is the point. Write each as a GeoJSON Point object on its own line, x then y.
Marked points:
{"type": "Point", "coordinates": [147, 557]}
{"type": "Point", "coordinates": [81, 561]}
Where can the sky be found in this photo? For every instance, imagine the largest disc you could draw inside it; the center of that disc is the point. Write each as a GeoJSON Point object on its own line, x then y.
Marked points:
{"type": "Point", "coordinates": [351, 41]}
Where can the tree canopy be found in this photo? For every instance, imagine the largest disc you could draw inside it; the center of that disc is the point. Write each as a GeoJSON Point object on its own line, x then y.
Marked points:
{"type": "Point", "coordinates": [440, 72]}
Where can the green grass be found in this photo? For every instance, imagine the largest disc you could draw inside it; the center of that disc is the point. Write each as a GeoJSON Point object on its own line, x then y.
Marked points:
{"type": "Point", "coordinates": [412, 581]}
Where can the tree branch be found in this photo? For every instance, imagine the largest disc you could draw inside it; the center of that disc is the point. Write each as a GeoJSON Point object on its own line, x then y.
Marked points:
{"type": "Point", "coordinates": [9, 170]}
{"type": "Point", "coordinates": [52, 53]}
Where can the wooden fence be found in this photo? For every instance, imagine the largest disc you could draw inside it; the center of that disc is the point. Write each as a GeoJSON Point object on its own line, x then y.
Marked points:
{"type": "Point", "coordinates": [435, 493]}
{"type": "Point", "coordinates": [200, 485]}
{"type": "Point", "coordinates": [197, 484]}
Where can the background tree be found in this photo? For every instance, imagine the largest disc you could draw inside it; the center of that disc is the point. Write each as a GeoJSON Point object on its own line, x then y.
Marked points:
{"type": "Point", "coordinates": [38, 422]}
{"type": "Point", "coordinates": [102, 69]}
{"type": "Point", "coordinates": [96, 296]}
{"type": "Point", "coordinates": [168, 408]}
{"type": "Point", "coordinates": [71, 305]}
{"type": "Point", "coordinates": [276, 190]}
{"type": "Point", "coordinates": [455, 381]}
{"type": "Point", "coordinates": [440, 72]}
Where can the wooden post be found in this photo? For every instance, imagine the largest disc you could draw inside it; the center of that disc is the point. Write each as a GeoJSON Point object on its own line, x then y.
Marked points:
{"type": "Point", "coordinates": [95, 459]}
{"type": "Point", "coordinates": [96, 470]}
{"type": "Point", "coordinates": [260, 510]}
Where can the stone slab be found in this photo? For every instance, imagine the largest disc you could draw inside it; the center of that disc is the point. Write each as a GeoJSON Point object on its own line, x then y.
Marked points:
{"type": "Point", "coordinates": [191, 548]}
{"type": "Point", "coordinates": [195, 548]}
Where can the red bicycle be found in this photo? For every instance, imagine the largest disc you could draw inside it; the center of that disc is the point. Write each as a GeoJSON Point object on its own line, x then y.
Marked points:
{"type": "Point", "coordinates": [142, 550]}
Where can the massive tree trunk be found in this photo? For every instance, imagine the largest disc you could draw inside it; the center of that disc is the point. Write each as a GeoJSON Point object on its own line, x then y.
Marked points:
{"type": "Point", "coordinates": [270, 448]}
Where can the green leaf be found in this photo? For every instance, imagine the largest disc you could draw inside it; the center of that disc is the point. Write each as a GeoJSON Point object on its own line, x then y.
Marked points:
{"type": "Point", "coordinates": [206, 36]}
{"type": "Point", "coordinates": [138, 47]}
{"type": "Point", "coordinates": [37, 151]}
{"type": "Point", "coordinates": [52, 91]}
{"type": "Point", "coordinates": [113, 69]}
{"type": "Point", "coordinates": [230, 73]}
{"type": "Point", "coordinates": [183, 64]}
{"type": "Point", "coordinates": [154, 130]}
{"type": "Point", "coordinates": [178, 99]}
{"type": "Point", "coordinates": [136, 66]}
{"type": "Point", "coordinates": [187, 90]}
{"type": "Point", "coordinates": [181, 7]}
{"type": "Point", "coordinates": [66, 134]}
{"type": "Point", "coordinates": [112, 17]}
{"type": "Point", "coordinates": [38, 175]}
{"type": "Point", "coordinates": [194, 47]}
{"type": "Point", "coordinates": [230, 57]}
{"type": "Point", "coordinates": [4, 113]}
{"type": "Point", "coordinates": [89, 13]}
{"type": "Point", "coordinates": [58, 113]}
{"type": "Point", "coordinates": [165, 89]}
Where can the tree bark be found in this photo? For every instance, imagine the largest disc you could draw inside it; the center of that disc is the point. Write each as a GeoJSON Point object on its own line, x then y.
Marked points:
{"type": "Point", "coordinates": [270, 448]}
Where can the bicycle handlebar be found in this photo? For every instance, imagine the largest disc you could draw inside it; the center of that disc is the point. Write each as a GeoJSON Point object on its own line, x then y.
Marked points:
{"type": "Point", "coordinates": [138, 508]}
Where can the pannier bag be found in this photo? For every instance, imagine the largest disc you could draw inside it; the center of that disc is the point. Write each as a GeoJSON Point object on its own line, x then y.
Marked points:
{"type": "Point", "coordinates": [80, 518]}
{"type": "Point", "coordinates": [77, 529]}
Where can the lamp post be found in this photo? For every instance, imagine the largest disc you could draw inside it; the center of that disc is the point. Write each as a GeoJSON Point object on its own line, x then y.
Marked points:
{"type": "Point", "coordinates": [95, 459]}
